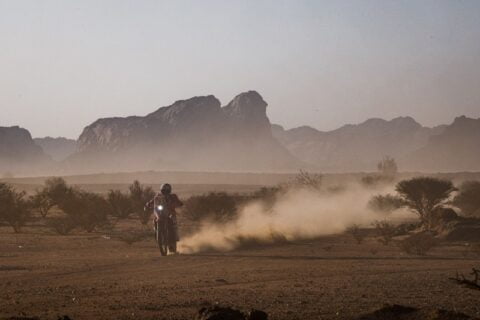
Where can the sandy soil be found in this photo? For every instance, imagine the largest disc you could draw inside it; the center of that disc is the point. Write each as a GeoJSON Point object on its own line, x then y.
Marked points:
{"type": "Point", "coordinates": [91, 276]}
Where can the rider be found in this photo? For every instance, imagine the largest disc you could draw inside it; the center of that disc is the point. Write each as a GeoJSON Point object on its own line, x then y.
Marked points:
{"type": "Point", "coordinates": [171, 202]}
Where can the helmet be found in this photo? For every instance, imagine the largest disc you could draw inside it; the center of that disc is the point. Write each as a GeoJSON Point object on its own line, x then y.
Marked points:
{"type": "Point", "coordinates": [166, 188]}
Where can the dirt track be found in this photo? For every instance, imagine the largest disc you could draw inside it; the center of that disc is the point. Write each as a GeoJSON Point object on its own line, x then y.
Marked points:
{"type": "Point", "coordinates": [92, 277]}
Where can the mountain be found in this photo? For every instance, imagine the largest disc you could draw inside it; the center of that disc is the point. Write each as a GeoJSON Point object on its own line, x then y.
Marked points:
{"type": "Point", "coordinates": [356, 147]}
{"type": "Point", "coordinates": [456, 148]}
{"type": "Point", "coordinates": [19, 154]}
{"type": "Point", "coordinates": [193, 134]}
{"type": "Point", "coordinates": [57, 148]}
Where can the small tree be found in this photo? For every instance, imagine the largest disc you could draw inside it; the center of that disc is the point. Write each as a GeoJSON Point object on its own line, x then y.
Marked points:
{"type": "Point", "coordinates": [14, 209]}
{"type": "Point", "coordinates": [468, 198]}
{"type": "Point", "coordinates": [418, 243]}
{"type": "Point", "coordinates": [85, 209]}
{"type": "Point", "coordinates": [385, 203]}
{"type": "Point", "coordinates": [306, 180]}
{"type": "Point", "coordinates": [215, 206]}
{"type": "Point", "coordinates": [385, 231]}
{"type": "Point", "coordinates": [388, 167]}
{"type": "Point", "coordinates": [57, 190]}
{"type": "Point", "coordinates": [139, 196]}
{"type": "Point", "coordinates": [42, 202]}
{"type": "Point", "coordinates": [357, 233]}
{"type": "Point", "coordinates": [423, 195]}
{"type": "Point", "coordinates": [120, 204]}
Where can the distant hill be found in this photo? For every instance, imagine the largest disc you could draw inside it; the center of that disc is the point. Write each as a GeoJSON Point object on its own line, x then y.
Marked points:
{"type": "Point", "coordinates": [445, 148]}
{"type": "Point", "coordinates": [199, 135]}
{"type": "Point", "coordinates": [196, 134]}
{"type": "Point", "coordinates": [456, 148]}
{"type": "Point", "coordinates": [355, 147]}
{"type": "Point", "coordinates": [19, 154]}
{"type": "Point", "coordinates": [57, 148]}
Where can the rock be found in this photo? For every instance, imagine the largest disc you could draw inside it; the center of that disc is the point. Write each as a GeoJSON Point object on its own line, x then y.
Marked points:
{"type": "Point", "coordinates": [398, 312]}
{"type": "Point", "coordinates": [355, 147]}
{"type": "Point", "coordinates": [257, 315]}
{"type": "Point", "coordinates": [57, 148]}
{"type": "Point", "coordinates": [445, 148]}
{"type": "Point", "coordinates": [193, 134]}
{"type": "Point", "coordinates": [219, 313]}
{"type": "Point", "coordinates": [19, 153]}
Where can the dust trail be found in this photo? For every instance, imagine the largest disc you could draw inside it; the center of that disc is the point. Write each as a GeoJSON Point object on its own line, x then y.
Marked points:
{"type": "Point", "coordinates": [296, 215]}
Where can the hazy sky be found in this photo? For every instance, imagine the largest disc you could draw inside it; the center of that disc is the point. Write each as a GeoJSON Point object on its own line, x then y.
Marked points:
{"type": "Point", "coordinates": [63, 64]}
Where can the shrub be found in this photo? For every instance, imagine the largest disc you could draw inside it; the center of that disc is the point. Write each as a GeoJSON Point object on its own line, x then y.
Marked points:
{"type": "Point", "coordinates": [388, 167]}
{"type": "Point", "coordinates": [215, 206]}
{"type": "Point", "coordinates": [385, 231]}
{"type": "Point", "coordinates": [57, 190]}
{"type": "Point", "coordinates": [130, 237]}
{"type": "Point", "coordinates": [418, 243]}
{"type": "Point", "coordinates": [120, 204]}
{"type": "Point", "coordinates": [357, 233]}
{"type": "Point", "coordinates": [42, 202]}
{"type": "Point", "coordinates": [306, 180]}
{"type": "Point", "coordinates": [14, 209]}
{"type": "Point", "coordinates": [424, 195]}
{"type": "Point", "coordinates": [267, 195]}
{"type": "Point", "coordinates": [468, 198]}
{"type": "Point", "coordinates": [139, 196]}
{"type": "Point", "coordinates": [62, 225]}
{"type": "Point", "coordinates": [385, 203]}
{"type": "Point", "coordinates": [87, 210]}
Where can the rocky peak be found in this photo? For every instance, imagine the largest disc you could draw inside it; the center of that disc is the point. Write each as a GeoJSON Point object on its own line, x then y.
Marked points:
{"type": "Point", "coordinates": [197, 106]}
{"type": "Point", "coordinates": [18, 151]}
{"type": "Point", "coordinates": [248, 110]}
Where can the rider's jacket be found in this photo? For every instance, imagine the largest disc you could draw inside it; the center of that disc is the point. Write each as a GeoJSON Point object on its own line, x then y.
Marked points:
{"type": "Point", "coordinates": [169, 201]}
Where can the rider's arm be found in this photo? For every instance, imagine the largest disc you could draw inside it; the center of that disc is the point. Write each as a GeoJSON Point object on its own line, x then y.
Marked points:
{"type": "Point", "coordinates": [177, 202]}
{"type": "Point", "coordinates": [149, 204]}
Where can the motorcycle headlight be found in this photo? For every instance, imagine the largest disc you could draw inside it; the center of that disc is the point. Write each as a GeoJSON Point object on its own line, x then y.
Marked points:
{"type": "Point", "coordinates": [159, 208]}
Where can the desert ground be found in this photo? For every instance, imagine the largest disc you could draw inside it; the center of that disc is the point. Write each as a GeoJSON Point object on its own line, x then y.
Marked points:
{"type": "Point", "coordinates": [100, 276]}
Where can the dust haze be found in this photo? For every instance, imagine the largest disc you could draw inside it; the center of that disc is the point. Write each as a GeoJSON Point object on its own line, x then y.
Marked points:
{"type": "Point", "coordinates": [297, 214]}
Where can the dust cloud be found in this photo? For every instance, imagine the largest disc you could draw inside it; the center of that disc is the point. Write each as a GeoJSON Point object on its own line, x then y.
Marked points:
{"type": "Point", "coordinates": [298, 214]}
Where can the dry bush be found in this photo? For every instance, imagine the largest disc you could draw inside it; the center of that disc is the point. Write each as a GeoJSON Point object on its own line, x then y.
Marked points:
{"type": "Point", "coordinates": [42, 202]}
{"type": "Point", "coordinates": [14, 209]}
{"type": "Point", "coordinates": [131, 237]}
{"type": "Point", "coordinates": [87, 210]}
{"type": "Point", "coordinates": [385, 203]}
{"type": "Point", "coordinates": [418, 243]}
{"type": "Point", "coordinates": [424, 195]}
{"type": "Point", "coordinates": [373, 180]}
{"type": "Point", "coordinates": [356, 232]}
{"type": "Point", "coordinates": [139, 196]}
{"type": "Point", "coordinates": [305, 180]}
{"type": "Point", "coordinates": [468, 198]}
{"type": "Point", "coordinates": [62, 226]}
{"type": "Point", "coordinates": [215, 206]}
{"type": "Point", "coordinates": [120, 204]}
{"type": "Point", "coordinates": [388, 167]}
{"type": "Point", "coordinates": [385, 231]}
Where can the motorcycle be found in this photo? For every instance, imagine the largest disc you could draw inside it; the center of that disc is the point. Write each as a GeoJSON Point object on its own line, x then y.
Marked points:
{"type": "Point", "coordinates": [165, 231]}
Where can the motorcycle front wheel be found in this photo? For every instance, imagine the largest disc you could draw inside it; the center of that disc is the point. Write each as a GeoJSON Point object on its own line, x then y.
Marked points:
{"type": "Point", "coordinates": [161, 237]}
